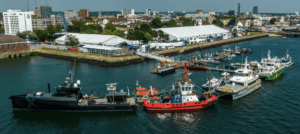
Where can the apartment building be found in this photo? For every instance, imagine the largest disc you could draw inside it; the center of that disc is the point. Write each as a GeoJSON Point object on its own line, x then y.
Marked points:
{"type": "Point", "coordinates": [17, 21]}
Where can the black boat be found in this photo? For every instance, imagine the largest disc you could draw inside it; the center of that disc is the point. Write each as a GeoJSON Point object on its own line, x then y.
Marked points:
{"type": "Point", "coordinates": [68, 99]}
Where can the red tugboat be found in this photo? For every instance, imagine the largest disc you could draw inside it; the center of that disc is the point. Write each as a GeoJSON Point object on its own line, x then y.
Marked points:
{"type": "Point", "coordinates": [193, 67]}
{"type": "Point", "coordinates": [181, 98]}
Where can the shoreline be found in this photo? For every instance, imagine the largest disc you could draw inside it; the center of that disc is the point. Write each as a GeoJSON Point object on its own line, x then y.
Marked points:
{"type": "Point", "coordinates": [107, 61]}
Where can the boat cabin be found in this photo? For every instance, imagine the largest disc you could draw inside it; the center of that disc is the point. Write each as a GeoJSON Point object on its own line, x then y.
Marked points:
{"type": "Point", "coordinates": [113, 96]}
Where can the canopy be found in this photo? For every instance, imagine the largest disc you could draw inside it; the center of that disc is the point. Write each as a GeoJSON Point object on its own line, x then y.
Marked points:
{"type": "Point", "coordinates": [182, 58]}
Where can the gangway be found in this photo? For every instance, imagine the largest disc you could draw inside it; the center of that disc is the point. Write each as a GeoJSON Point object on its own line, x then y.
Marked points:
{"type": "Point", "coordinates": [155, 56]}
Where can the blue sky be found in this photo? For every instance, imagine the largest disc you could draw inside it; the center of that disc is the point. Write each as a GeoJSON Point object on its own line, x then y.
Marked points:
{"type": "Point", "coordinates": [270, 6]}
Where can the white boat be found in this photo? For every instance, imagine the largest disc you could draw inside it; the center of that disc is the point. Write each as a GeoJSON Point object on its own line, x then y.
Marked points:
{"type": "Point", "coordinates": [287, 61]}
{"type": "Point", "coordinates": [213, 83]}
{"type": "Point", "coordinates": [241, 84]}
{"type": "Point", "coordinates": [210, 60]}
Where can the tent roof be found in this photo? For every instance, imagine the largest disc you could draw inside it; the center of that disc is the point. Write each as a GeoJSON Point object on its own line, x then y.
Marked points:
{"type": "Point", "coordinates": [190, 31]}
{"type": "Point", "coordinates": [94, 39]}
{"type": "Point", "coordinates": [102, 47]}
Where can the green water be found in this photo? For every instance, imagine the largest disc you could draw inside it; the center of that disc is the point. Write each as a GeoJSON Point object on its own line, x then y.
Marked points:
{"type": "Point", "coordinates": [271, 109]}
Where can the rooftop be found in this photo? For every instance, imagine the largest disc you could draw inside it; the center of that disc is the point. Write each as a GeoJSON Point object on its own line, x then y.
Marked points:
{"type": "Point", "coordinates": [10, 38]}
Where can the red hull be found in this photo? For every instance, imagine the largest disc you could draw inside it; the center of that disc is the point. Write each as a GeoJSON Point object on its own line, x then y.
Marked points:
{"type": "Point", "coordinates": [180, 106]}
{"type": "Point", "coordinates": [193, 67]}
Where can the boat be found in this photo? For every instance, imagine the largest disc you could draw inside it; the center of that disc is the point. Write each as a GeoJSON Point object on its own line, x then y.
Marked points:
{"type": "Point", "coordinates": [193, 67]}
{"type": "Point", "coordinates": [287, 61]}
{"type": "Point", "coordinates": [164, 68]}
{"type": "Point", "coordinates": [214, 82]}
{"type": "Point", "coordinates": [143, 93]}
{"type": "Point", "coordinates": [241, 84]}
{"type": "Point", "coordinates": [210, 60]}
{"type": "Point", "coordinates": [182, 97]}
{"type": "Point", "coordinates": [68, 98]}
{"type": "Point", "coordinates": [270, 68]}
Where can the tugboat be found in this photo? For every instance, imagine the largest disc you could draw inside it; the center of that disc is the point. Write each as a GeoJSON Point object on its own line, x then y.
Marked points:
{"type": "Point", "coordinates": [142, 93]}
{"type": "Point", "coordinates": [181, 98]}
{"type": "Point", "coordinates": [68, 99]}
{"type": "Point", "coordinates": [241, 84]}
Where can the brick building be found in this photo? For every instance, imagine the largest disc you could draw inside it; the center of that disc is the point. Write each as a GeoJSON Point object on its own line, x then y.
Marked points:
{"type": "Point", "coordinates": [84, 13]}
{"type": "Point", "coordinates": [11, 43]}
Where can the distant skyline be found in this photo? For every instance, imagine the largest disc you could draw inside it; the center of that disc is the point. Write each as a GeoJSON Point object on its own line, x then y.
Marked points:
{"type": "Point", "coordinates": [270, 6]}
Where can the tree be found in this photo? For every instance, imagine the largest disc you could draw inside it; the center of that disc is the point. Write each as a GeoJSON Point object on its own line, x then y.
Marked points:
{"type": "Point", "coordinates": [77, 25]}
{"type": "Point", "coordinates": [71, 40]}
{"type": "Point", "coordinates": [154, 33]}
{"type": "Point", "coordinates": [145, 27]}
{"type": "Point", "coordinates": [187, 22]}
{"type": "Point", "coordinates": [110, 27]}
{"type": "Point", "coordinates": [21, 35]}
{"type": "Point", "coordinates": [138, 35]}
{"type": "Point", "coordinates": [160, 34]}
{"type": "Point", "coordinates": [89, 31]}
{"type": "Point", "coordinates": [50, 29]}
{"type": "Point", "coordinates": [214, 22]}
{"type": "Point", "coordinates": [119, 33]}
{"type": "Point", "coordinates": [147, 37]}
{"type": "Point", "coordinates": [156, 23]}
{"type": "Point", "coordinates": [232, 22]}
{"type": "Point", "coordinates": [165, 24]}
{"type": "Point", "coordinates": [98, 28]}
{"type": "Point", "coordinates": [58, 28]}
{"type": "Point", "coordinates": [41, 34]}
{"type": "Point", "coordinates": [124, 26]}
{"type": "Point", "coordinates": [182, 18]}
{"type": "Point", "coordinates": [88, 18]}
{"type": "Point", "coordinates": [107, 32]}
{"type": "Point", "coordinates": [166, 37]}
{"type": "Point", "coordinates": [172, 23]}
{"type": "Point", "coordinates": [272, 21]}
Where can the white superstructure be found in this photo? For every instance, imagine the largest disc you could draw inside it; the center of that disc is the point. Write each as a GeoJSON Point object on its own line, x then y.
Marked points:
{"type": "Point", "coordinates": [17, 21]}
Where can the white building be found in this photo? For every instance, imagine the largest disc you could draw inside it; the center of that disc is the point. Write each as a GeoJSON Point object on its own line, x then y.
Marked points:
{"type": "Point", "coordinates": [126, 12]}
{"type": "Point", "coordinates": [17, 21]}
{"type": "Point", "coordinates": [148, 12]}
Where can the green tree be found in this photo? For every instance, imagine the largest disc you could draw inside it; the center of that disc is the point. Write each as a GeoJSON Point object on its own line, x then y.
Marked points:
{"type": "Point", "coordinates": [89, 31]}
{"type": "Point", "coordinates": [98, 28]}
{"type": "Point", "coordinates": [107, 32]}
{"type": "Point", "coordinates": [124, 26]}
{"type": "Point", "coordinates": [119, 33]}
{"type": "Point", "coordinates": [50, 29]}
{"type": "Point", "coordinates": [187, 22]}
{"type": "Point", "coordinates": [156, 23]}
{"type": "Point", "coordinates": [172, 23]}
{"type": "Point", "coordinates": [88, 18]}
{"type": "Point", "coordinates": [182, 18]}
{"type": "Point", "coordinates": [166, 37]}
{"type": "Point", "coordinates": [154, 33]}
{"type": "Point", "coordinates": [147, 37]}
{"type": "Point", "coordinates": [77, 25]}
{"type": "Point", "coordinates": [71, 40]}
{"type": "Point", "coordinates": [41, 34]}
{"type": "Point", "coordinates": [138, 35]}
{"type": "Point", "coordinates": [91, 26]}
{"type": "Point", "coordinates": [161, 34]}
{"type": "Point", "coordinates": [110, 27]}
{"type": "Point", "coordinates": [22, 35]}
{"type": "Point", "coordinates": [232, 22]}
{"type": "Point", "coordinates": [272, 21]}
{"type": "Point", "coordinates": [58, 28]}
{"type": "Point", "coordinates": [145, 27]}
{"type": "Point", "coordinates": [165, 24]}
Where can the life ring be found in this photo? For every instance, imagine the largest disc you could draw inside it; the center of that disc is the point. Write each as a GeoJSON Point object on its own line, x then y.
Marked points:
{"type": "Point", "coordinates": [90, 99]}
{"type": "Point", "coordinates": [121, 102]}
{"type": "Point", "coordinates": [28, 94]}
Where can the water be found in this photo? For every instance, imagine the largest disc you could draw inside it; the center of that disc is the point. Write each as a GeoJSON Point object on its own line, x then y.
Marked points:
{"type": "Point", "coordinates": [271, 109]}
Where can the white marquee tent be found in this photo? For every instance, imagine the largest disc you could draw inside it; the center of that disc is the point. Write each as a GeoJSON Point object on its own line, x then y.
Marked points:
{"type": "Point", "coordinates": [94, 39]}
{"type": "Point", "coordinates": [184, 33]}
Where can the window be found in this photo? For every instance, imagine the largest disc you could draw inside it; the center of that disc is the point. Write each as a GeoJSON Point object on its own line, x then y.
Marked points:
{"type": "Point", "coordinates": [24, 45]}
{"type": "Point", "coordinates": [8, 46]}
{"type": "Point", "coordinates": [19, 45]}
{"type": "Point", "coordinates": [3, 48]}
{"type": "Point", "coordinates": [14, 46]}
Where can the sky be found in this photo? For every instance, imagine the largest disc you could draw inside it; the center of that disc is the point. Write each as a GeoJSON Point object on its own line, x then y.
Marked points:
{"type": "Point", "coordinates": [269, 6]}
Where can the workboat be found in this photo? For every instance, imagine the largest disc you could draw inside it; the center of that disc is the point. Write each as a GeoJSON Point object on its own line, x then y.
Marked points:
{"type": "Point", "coordinates": [214, 82]}
{"type": "Point", "coordinates": [193, 67]}
{"type": "Point", "coordinates": [210, 60]}
{"type": "Point", "coordinates": [270, 68]}
{"type": "Point", "coordinates": [143, 93]}
{"type": "Point", "coordinates": [181, 98]}
{"type": "Point", "coordinates": [68, 99]}
{"type": "Point", "coordinates": [241, 84]}
{"type": "Point", "coordinates": [287, 61]}
{"type": "Point", "coordinates": [164, 68]}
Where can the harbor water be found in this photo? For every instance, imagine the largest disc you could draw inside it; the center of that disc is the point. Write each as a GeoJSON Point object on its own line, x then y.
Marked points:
{"type": "Point", "coordinates": [274, 108]}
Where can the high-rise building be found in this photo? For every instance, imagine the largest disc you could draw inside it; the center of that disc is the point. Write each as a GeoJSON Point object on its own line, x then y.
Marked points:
{"type": "Point", "coordinates": [231, 13]}
{"type": "Point", "coordinates": [84, 13]}
{"type": "Point", "coordinates": [99, 14]}
{"type": "Point", "coordinates": [17, 21]}
{"type": "Point", "coordinates": [43, 11]}
{"type": "Point", "coordinates": [41, 23]}
{"type": "Point", "coordinates": [238, 7]}
{"type": "Point", "coordinates": [148, 12]}
{"type": "Point", "coordinates": [255, 10]}
{"type": "Point", "coordinates": [71, 14]}
{"type": "Point", "coordinates": [126, 12]}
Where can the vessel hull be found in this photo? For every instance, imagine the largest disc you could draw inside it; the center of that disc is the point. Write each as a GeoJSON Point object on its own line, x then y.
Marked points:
{"type": "Point", "coordinates": [245, 91]}
{"type": "Point", "coordinates": [275, 75]}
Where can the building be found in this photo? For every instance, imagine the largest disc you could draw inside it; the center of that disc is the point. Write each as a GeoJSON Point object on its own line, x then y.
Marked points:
{"type": "Point", "coordinates": [99, 14]}
{"type": "Point", "coordinates": [195, 32]}
{"type": "Point", "coordinates": [41, 23]}
{"type": "Point", "coordinates": [58, 20]}
{"type": "Point", "coordinates": [208, 17]}
{"type": "Point", "coordinates": [238, 7]}
{"type": "Point", "coordinates": [12, 43]}
{"type": "Point", "coordinates": [84, 13]}
{"type": "Point", "coordinates": [71, 14]}
{"type": "Point", "coordinates": [43, 11]}
{"type": "Point", "coordinates": [255, 10]}
{"type": "Point", "coordinates": [17, 21]}
{"type": "Point", "coordinates": [148, 12]}
{"type": "Point", "coordinates": [126, 12]}
{"type": "Point", "coordinates": [231, 13]}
